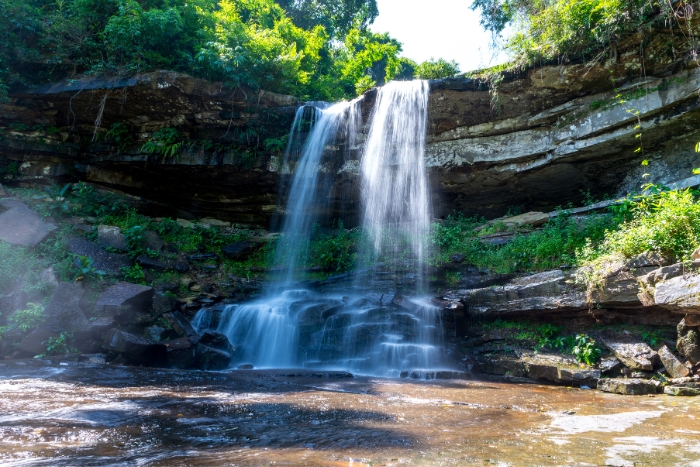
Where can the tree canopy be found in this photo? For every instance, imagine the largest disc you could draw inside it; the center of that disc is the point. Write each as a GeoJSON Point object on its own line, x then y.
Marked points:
{"type": "Point", "coordinates": [317, 49]}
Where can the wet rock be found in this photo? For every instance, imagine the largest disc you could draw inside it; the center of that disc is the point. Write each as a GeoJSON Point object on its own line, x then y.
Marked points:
{"type": "Point", "coordinates": [96, 360]}
{"type": "Point", "coordinates": [137, 349]}
{"type": "Point", "coordinates": [19, 225]}
{"type": "Point", "coordinates": [688, 343]}
{"type": "Point", "coordinates": [629, 386]}
{"type": "Point", "coordinates": [681, 391]}
{"type": "Point", "coordinates": [239, 251]}
{"type": "Point", "coordinates": [214, 351]}
{"type": "Point", "coordinates": [680, 293]}
{"type": "Point", "coordinates": [147, 262]}
{"type": "Point", "coordinates": [181, 353]}
{"type": "Point", "coordinates": [2, 191]}
{"type": "Point", "coordinates": [109, 263]}
{"type": "Point", "coordinates": [181, 326]}
{"type": "Point", "coordinates": [34, 343]}
{"type": "Point", "coordinates": [122, 295]}
{"type": "Point", "coordinates": [246, 366]}
{"type": "Point", "coordinates": [63, 312]}
{"type": "Point", "coordinates": [633, 354]}
{"type": "Point", "coordinates": [673, 366]}
{"type": "Point", "coordinates": [457, 258]}
{"type": "Point", "coordinates": [109, 236]}
{"type": "Point", "coordinates": [97, 329]}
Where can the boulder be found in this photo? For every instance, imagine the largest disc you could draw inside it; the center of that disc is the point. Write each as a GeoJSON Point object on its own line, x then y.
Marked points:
{"type": "Point", "coordinates": [63, 312]}
{"type": "Point", "coordinates": [214, 351]}
{"type": "Point", "coordinates": [681, 391]}
{"type": "Point", "coordinates": [629, 386]}
{"type": "Point", "coordinates": [239, 251]}
{"type": "Point", "coordinates": [15, 300]}
{"type": "Point", "coordinates": [137, 349]}
{"type": "Point", "coordinates": [109, 236]}
{"type": "Point", "coordinates": [696, 254]}
{"type": "Point", "coordinates": [688, 343]}
{"type": "Point", "coordinates": [558, 368]}
{"type": "Point", "coordinates": [180, 353]}
{"type": "Point", "coordinates": [181, 326]}
{"type": "Point", "coordinates": [34, 343]}
{"type": "Point", "coordinates": [209, 358]}
{"type": "Point", "coordinates": [502, 364]}
{"type": "Point", "coordinates": [681, 294]}
{"type": "Point", "coordinates": [633, 354]}
{"type": "Point", "coordinates": [116, 298]}
{"type": "Point", "coordinates": [647, 283]}
{"type": "Point", "coordinates": [19, 225]}
{"type": "Point", "coordinates": [674, 367]}
{"type": "Point", "coordinates": [109, 263]}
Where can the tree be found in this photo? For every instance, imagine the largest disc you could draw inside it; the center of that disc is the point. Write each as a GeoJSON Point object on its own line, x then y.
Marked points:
{"type": "Point", "coordinates": [436, 69]}
{"type": "Point", "coordinates": [338, 17]}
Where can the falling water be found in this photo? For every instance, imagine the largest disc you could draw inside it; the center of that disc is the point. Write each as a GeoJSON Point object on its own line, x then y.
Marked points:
{"type": "Point", "coordinates": [387, 329]}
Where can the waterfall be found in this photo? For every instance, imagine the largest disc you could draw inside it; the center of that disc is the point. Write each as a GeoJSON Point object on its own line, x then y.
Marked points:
{"type": "Point", "coordinates": [378, 324]}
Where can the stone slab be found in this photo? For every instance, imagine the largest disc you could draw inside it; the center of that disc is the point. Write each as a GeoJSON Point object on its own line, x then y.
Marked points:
{"type": "Point", "coordinates": [20, 225]}
{"type": "Point", "coordinates": [123, 294]}
{"type": "Point", "coordinates": [63, 312]}
{"type": "Point", "coordinates": [633, 354]}
{"type": "Point", "coordinates": [681, 391]}
{"type": "Point", "coordinates": [673, 365]}
{"type": "Point", "coordinates": [110, 263]}
{"type": "Point", "coordinates": [629, 386]}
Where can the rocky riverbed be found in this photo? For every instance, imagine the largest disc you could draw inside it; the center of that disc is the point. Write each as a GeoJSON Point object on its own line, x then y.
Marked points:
{"type": "Point", "coordinates": [60, 414]}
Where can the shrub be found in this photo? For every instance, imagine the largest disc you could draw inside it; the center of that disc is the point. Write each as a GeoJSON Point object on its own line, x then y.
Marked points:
{"type": "Point", "coordinates": [662, 222]}
{"type": "Point", "coordinates": [436, 69]}
{"type": "Point", "coordinates": [26, 320]}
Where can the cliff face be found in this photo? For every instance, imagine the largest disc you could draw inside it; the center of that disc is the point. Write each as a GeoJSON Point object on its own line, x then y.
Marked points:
{"type": "Point", "coordinates": [535, 141]}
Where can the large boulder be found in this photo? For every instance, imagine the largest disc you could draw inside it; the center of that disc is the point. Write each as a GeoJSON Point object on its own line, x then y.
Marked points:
{"type": "Point", "coordinates": [34, 343]}
{"type": "Point", "coordinates": [181, 353]}
{"type": "Point", "coordinates": [214, 351]}
{"type": "Point", "coordinates": [122, 295]}
{"type": "Point", "coordinates": [63, 312]}
{"type": "Point", "coordinates": [629, 386]}
{"type": "Point", "coordinates": [20, 225]}
{"type": "Point", "coordinates": [674, 367]}
{"type": "Point", "coordinates": [181, 326]}
{"type": "Point", "coordinates": [688, 343]}
{"type": "Point", "coordinates": [137, 349]}
{"type": "Point", "coordinates": [634, 354]}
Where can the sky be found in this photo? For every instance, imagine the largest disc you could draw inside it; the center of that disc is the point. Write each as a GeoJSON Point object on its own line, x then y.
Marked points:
{"type": "Point", "coordinates": [446, 29]}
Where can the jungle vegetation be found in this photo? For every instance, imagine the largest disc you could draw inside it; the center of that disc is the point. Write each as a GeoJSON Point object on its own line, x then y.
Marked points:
{"type": "Point", "coordinates": [313, 49]}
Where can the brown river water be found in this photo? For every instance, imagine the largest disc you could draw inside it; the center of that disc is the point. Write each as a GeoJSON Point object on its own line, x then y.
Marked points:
{"type": "Point", "coordinates": [57, 414]}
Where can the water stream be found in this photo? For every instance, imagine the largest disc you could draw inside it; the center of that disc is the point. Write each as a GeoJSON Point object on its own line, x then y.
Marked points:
{"type": "Point", "coordinates": [377, 324]}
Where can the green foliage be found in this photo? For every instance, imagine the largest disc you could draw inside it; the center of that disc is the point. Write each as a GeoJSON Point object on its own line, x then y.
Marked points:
{"type": "Point", "coordinates": [318, 49]}
{"type": "Point", "coordinates": [119, 134]}
{"type": "Point", "coordinates": [60, 345]}
{"type": "Point", "coordinates": [26, 320]}
{"type": "Point", "coordinates": [555, 244]}
{"type": "Point", "coordinates": [566, 29]}
{"type": "Point", "coordinates": [165, 142]}
{"type": "Point", "coordinates": [336, 252]}
{"type": "Point", "coordinates": [57, 195]}
{"type": "Point", "coordinates": [586, 351]}
{"type": "Point", "coordinates": [436, 69]}
{"type": "Point", "coordinates": [84, 267]}
{"type": "Point", "coordinates": [537, 335]}
{"type": "Point", "coordinates": [134, 274]}
{"type": "Point", "coordinates": [666, 222]}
